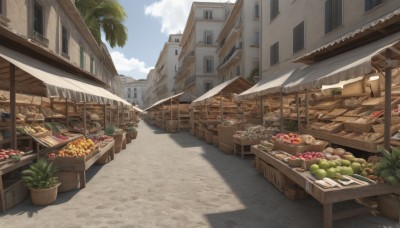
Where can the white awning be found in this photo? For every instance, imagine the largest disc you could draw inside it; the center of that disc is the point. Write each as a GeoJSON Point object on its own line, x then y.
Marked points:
{"type": "Point", "coordinates": [56, 82]}
{"type": "Point", "coordinates": [342, 67]}
{"type": "Point", "coordinates": [269, 84]}
{"type": "Point", "coordinates": [235, 85]}
{"type": "Point", "coordinates": [164, 100]}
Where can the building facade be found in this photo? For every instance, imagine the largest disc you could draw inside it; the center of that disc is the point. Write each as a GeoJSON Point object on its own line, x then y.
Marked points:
{"type": "Point", "coordinates": [150, 88]}
{"type": "Point", "coordinates": [198, 59]}
{"type": "Point", "coordinates": [134, 91]}
{"type": "Point", "coordinates": [57, 28]}
{"type": "Point", "coordinates": [167, 66]}
{"type": "Point", "coordinates": [290, 29]}
{"type": "Point", "coordinates": [239, 42]}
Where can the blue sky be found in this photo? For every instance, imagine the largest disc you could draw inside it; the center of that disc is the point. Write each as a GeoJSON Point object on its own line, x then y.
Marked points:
{"type": "Point", "coordinates": [149, 23]}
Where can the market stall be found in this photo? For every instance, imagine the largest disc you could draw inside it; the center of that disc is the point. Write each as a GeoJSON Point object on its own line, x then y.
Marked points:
{"type": "Point", "coordinates": [214, 107]}
{"type": "Point", "coordinates": [44, 122]}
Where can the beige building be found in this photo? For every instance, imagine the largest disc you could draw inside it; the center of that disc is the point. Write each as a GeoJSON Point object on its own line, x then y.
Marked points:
{"type": "Point", "coordinates": [167, 66]}
{"type": "Point", "coordinates": [198, 59]}
{"type": "Point", "coordinates": [290, 29]}
{"type": "Point", "coordinates": [150, 96]}
{"type": "Point", "coordinates": [54, 32]}
{"type": "Point", "coordinates": [239, 42]}
{"type": "Point", "coordinates": [134, 90]}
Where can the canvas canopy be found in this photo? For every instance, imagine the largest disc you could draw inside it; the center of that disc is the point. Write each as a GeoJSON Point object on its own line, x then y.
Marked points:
{"type": "Point", "coordinates": [34, 77]}
{"type": "Point", "coordinates": [235, 85]}
{"type": "Point", "coordinates": [164, 100]}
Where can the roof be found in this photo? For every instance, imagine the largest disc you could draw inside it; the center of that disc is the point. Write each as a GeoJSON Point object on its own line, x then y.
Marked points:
{"type": "Point", "coordinates": [372, 31]}
{"type": "Point", "coordinates": [176, 96]}
{"type": "Point", "coordinates": [235, 85]}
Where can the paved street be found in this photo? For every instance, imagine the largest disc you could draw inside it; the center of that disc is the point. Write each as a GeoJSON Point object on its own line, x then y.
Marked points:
{"type": "Point", "coordinates": [176, 180]}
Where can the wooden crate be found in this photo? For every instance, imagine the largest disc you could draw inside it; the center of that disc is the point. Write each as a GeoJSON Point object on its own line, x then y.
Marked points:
{"type": "Point", "coordinates": [15, 191]}
{"type": "Point", "coordinates": [289, 148]}
{"type": "Point", "coordinates": [209, 136]}
{"type": "Point", "coordinates": [356, 127]}
{"type": "Point", "coordinates": [215, 140]}
{"type": "Point", "coordinates": [225, 148]}
{"type": "Point", "coordinates": [69, 181]}
{"type": "Point", "coordinates": [225, 134]}
{"type": "Point", "coordinates": [278, 179]}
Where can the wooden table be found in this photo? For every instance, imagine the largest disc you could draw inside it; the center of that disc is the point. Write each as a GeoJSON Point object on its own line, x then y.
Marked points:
{"type": "Point", "coordinates": [239, 145]}
{"type": "Point", "coordinates": [327, 197]}
{"type": "Point", "coordinates": [82, 165]}
{"type": "Point", "coordinates": [25, 160]}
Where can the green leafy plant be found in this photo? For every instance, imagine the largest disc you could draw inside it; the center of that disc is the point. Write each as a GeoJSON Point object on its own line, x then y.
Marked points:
{"type": "Point", "coordinates": [131, 129]}
{"type": "Point", "coordinates": [109, 130]}
{"type": "Point", "coordinates": [388, 168]}
{"type": "Point", "coordinates": [40, 175]}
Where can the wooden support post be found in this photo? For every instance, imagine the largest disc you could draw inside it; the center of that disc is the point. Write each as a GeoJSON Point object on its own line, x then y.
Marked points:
{"type": "Point", "coordinates": [170, 108]}
{"type": "Point", "coordinates": [262, 110]}
{"type": "Point", "coordinates": [123, 114]}
{"type": "Point", "coordinates": [84, 116]}
{"type": "Point", "coordinates": [281, 110]}
{"type": "Point", "coordinates": [298, 112]}
{"type": "Point", "coordinates": [66, 112]}
{"type": "Point", "coordinates": [118, 116]}
{"type": "Point", "coordinates": [220, 107]}
{"type": "Point", "coordinates": [388, 96]}
{"type": "Point", "coordinates": [12, 107]}
{"type": "Point", "coordinates": [104, 116]}
{"type": "Point", "coordinates": [327, 215]}
{"type": "Point", "coordinates": [307, 108]}
{"type": "Point", "coordinates": [179, 117]}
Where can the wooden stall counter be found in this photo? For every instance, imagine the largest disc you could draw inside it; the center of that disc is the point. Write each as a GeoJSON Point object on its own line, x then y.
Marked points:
{"type": "Point", "coordinates": [81, 165]}
{"type": "Point", "coordinates": [327, 197]}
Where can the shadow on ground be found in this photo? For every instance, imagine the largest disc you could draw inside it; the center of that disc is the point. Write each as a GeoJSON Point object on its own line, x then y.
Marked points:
{"type": "Point", "coordinates": [264, 205]}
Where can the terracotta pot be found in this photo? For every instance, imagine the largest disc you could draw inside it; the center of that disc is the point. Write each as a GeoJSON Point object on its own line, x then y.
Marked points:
{"type": "Point", "coordinates": [44, 197]}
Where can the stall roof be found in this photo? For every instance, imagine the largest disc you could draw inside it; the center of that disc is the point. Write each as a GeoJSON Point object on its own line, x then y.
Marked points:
{"type": "Point", "coordinates": [38, 78]}
{"type": "Point", "coordinates": [163, 100]}
{"type": "Point", "coordinates": [235, 85]}
{"type": "Point", "coordinates": [349, 65]}
{"type": "Point", "coordinates": [139, 110]}
{"type": "Point", "coordinates": [270, 84]}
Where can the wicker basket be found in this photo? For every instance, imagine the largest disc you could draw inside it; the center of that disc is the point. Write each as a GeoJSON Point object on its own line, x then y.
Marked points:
{"type": "Point", "coordinates": [317, 147]}
{"type": "Point", "coordinates": [388, 206]}
{"type": "Point", "coordinates": [68, 180]}
{"type": "Point", "coordinates": [118, 142]}
{"type": "Point", "coordinates": [44, 197]}
{"type": "Point", "coordinates": [292, 149]}
{"type": "Point", "coordinates": [295, 162]}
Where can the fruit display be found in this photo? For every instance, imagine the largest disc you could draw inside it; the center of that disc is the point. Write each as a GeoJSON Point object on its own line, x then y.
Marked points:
{"type": "Point", "coordinates": [52, 140]}
{"type": "Point", "coordinates": [290, 138]}
{"type": "Point", "coordinates": [78, 148]}
{"type": "Point", "coordinates": [100, 138]}
{"type": "Point", "coordinates": [55, 127]}
{"type": "Point", "coordinates": [265, 146]}
{"type": "Point", "coordinates": [76, 125]}
{"type": "Point", "coordinates": [10, 154]}
{"type": "Point", "coordinates": [388, 168]}
{"type": "Point", "coordinates": [255, 133]}
{"type": "Point", "coordinates": [309, 156]}
{"type": "Point", "coordinates": [31, 129]}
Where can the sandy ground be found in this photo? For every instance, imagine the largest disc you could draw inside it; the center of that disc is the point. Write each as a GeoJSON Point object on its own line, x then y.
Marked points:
{"type": "Point", "coordinates": [176, 180]}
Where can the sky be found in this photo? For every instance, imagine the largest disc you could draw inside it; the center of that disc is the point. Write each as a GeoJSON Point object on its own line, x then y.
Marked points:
{"type": "Point", "coordinates": [149, 24]}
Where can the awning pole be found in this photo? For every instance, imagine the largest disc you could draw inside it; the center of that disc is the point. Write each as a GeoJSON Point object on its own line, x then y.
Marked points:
{"type": "Point", "coordinates": [104, 116]}
{"type": "Point", "coordinates": [12, 107]}
{"type": "Point", "coordinates": [298, 112]}
{"type": "Point", "coordinates": [118, 115]}
{"type": "Point", "coordinates": [179, 117]}
{"type": "Point", "coordinates": [123, 114]}
{"type": "Point", "coordinates": [220, 107]}
{"type": "Point", "coordinates": [84, 115]}
{"type": "Point", "coordinates": [170, 108]}
{"type": "Point", "coordinates": [281, 110]}
{"type": "Point", "coordinates": [388, 96]}
{"type": "Point", "coordinates": [307, 108]}
{"type": "Point", "coordinates": [261, 110]}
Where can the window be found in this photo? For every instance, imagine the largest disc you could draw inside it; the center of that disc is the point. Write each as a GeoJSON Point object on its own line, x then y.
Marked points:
{"type": "Point", "coordinates": [333, 14]}
{"type": "Point", "coordinates": [208, 37]}
{"type": "Point", "coordinates": [129, 95]}
{"type": "Point", "coordinates": [129, 89]}
{"type": "Point", "coordinates": [257, 10]}
{"type": "Point", "coordinates": [207, 86]}
{"type": "Point", "coordinates": [38, 18]}
{"type": "Point", "coordinates": [91, 65]}
{"type": "Point", "coordinates": [81, 57]}
{"type": "Point", "coordinates": [370, 4]}
{"type": "Point", "coordinates": [134, 96]}
{"type": "Point", "coordinates": [176, 40]}
{"type": "Point", "coordinates": [176, 51]}
{"type": "Point", "coordinates": [274, 54]}
{"type": "Point", "coordinates": [237, 70]}
{"type": "Point", "coordinates": [208, 14]}
{"type": "Point", "coordinates": [208, 64]}
{"type": "Point", "coordinates": [134, 89]}
{"type": "Point", "coordinates": [274, 8]}
{"type": "Point", "coordinates": [256, 38]}
{"type": "Point", "coordinates": [64, 40]}
{"type": "Point", "coordinates": [298, 37]}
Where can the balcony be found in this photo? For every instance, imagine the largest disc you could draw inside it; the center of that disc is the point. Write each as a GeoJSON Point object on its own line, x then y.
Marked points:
{"type": "Point", "coordinates": [40, 38]}
{"type": "Point", "coordinates": [189, 58]}
{"type": "Point", "coordinates": [234, 53]}
{"type": "Point", "coordinates": [191, 80]}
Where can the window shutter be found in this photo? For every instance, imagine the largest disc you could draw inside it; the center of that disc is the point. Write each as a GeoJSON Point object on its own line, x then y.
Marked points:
{"type": "Point", "coordinates": [328, 16]}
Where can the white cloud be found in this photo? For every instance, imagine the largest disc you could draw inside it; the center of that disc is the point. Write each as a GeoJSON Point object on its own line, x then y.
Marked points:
{"type": "Point", "coordinates": [129, 67]}
{"type": "Point", "coordinates": [173, 13]}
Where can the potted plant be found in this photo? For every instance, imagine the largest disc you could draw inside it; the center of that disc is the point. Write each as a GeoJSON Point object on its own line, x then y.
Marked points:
{"type": "Point", "coordinates": [133, 131]}
{"type": "Point", "coordinates": [41, 180]}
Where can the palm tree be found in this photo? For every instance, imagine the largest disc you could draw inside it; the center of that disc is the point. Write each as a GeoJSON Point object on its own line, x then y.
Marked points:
{"type": "Point", "coordinates": [107, 16]}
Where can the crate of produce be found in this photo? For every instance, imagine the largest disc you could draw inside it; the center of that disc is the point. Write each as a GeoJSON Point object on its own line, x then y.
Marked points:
{"type": "Point", "coordinates": [332, 127]}
{"type": "Point", "coordinates": [245, 141]}
{"type": "Point", "coordinates": [293, 149]}
{"type": "Point", "coordinates": [317, 146]}
{"type": "Point", "coordinates": [359, 125]}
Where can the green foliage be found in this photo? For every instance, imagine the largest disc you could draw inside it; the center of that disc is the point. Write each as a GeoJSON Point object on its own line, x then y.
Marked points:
{"type": "Point", "coordinates": [131, 129]}
{"type": "Point", "coordinates": [40, 175]}
{"type": "Point", "coordinates": [388, 167]}
{"type": "Point", "coordinates": [109, 130]}
{"type": "Point", "coordinates": [253, 75]}
{"type": "Point", "coordinates": [107, 16]}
